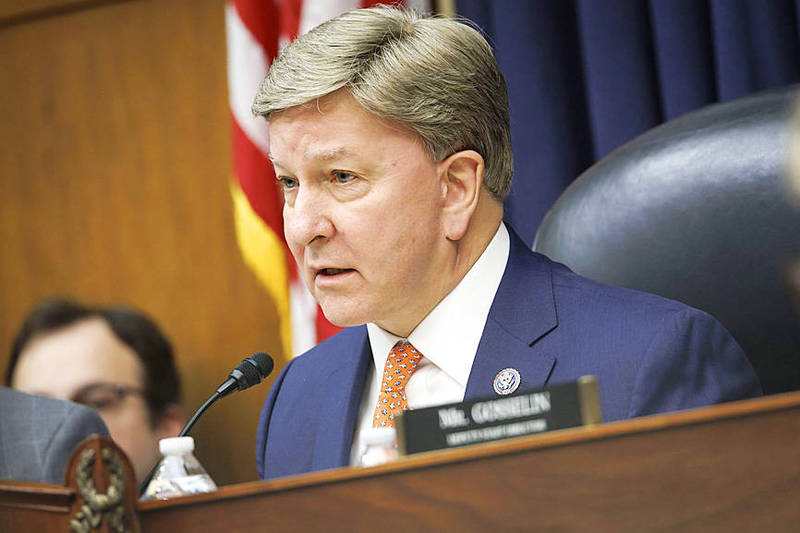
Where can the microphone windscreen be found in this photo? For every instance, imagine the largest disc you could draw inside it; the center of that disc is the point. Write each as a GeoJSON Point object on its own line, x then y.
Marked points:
{"type": "Point", "coordinates": [259, 362]}
{"type": "Point", "coordinates": [264, 364]}
{"type": "Point", "coordinates": [250, 374]}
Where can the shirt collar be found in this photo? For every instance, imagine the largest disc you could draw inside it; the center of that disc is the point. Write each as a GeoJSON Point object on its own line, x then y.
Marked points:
{"type": "Point", "coordinates": [450, 334]}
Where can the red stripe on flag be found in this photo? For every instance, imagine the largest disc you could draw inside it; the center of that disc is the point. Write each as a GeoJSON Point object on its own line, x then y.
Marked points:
{"type": "Point", "coordinates": [324, 328]}
{"type": "Point", "coordinates": [290, 17]}
{"type": "Point", "coordinates": [260, 17]}
{"type": "Point", "coordinates": [293, 274]}
{"type": "Point", "coordinates": [257, 179]}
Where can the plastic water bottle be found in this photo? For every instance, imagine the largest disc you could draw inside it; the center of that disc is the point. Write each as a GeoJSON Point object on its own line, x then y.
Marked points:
{"type": "Point", "coordinates": [179, 472]}
{"type": "Point", "coordinates": [380, 446]}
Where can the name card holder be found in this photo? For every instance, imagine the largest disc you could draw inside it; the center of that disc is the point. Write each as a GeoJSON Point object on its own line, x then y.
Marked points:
{"type": "Point", "coordinates": [487, 419]}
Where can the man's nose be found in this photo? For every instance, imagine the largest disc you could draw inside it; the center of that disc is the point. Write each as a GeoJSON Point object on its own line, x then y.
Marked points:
{"type": "Point", "coordinates": [308, 218]}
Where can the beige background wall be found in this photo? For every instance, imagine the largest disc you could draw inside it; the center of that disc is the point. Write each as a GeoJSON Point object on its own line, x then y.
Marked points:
{"type": "Point", "coordinates": [114, 170]}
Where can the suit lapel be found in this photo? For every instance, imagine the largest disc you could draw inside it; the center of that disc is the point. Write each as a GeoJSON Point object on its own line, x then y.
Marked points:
{"type": "Point", "coordinates": [523, 312]}
{"type": "Point", "coordinates": [342, 392]}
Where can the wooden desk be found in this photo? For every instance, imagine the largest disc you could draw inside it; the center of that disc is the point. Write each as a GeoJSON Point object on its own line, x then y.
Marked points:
{"type": "Point", "coordinates": [732, 467]}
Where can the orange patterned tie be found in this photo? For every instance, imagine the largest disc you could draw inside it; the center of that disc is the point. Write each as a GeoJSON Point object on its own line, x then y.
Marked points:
{"type": "Point", "coordinates": [400, 364]}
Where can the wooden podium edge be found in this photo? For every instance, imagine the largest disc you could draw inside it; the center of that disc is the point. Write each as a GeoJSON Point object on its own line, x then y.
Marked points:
{"type": "Point", "coordinates": [566, 437]}
{"type": "Point", "coordinates": [35, 496]}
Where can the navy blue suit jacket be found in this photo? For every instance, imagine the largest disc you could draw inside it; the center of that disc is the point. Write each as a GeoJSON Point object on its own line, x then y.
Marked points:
{"type": "Point", "coordinates": [649, 354]}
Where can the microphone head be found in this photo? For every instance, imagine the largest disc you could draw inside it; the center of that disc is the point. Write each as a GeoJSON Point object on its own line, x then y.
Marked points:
{"type": "Point", "coordinates": [263, 362]}
{"type": "Point", "coordinates": [253, 370]}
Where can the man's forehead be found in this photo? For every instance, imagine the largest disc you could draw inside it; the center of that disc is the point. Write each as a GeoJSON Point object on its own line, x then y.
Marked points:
{"type": "Point", "coordinates": [95, 354]}
{"type": "Point", "coordinates": [318, 106]}
{"type": "Point", "coordinates": [334, 127]}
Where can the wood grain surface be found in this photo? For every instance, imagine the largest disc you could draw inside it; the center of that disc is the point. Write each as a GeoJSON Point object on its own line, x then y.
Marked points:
{"type": "Point", "coordinates": [115, 165]}
{"type": "Point", "coordinates": [734, 467]}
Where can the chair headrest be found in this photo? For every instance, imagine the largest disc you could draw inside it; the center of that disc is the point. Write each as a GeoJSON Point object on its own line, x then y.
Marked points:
{"type": "Point", "coordinates": [698, 210]}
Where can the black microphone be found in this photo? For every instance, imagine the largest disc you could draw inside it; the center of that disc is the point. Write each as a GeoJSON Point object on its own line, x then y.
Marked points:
{"type": "Point", "coordinates": [251, 371]}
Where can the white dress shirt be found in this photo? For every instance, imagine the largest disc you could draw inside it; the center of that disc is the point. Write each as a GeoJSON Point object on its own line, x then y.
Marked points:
{"type": "Point", "coordinates": [447, 338]}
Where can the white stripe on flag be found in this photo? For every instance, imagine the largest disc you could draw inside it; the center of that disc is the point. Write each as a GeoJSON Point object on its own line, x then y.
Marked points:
{"type": "Point", "coordinates": [303, 308]}
{"type": "Point", "coordinates": [315, 12]}
{"type": "Point", "coordinates": [247, 66]}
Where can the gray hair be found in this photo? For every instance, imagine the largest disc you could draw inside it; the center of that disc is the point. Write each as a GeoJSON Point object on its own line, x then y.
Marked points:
{"type": "Point", "coordinates": [436, 76]}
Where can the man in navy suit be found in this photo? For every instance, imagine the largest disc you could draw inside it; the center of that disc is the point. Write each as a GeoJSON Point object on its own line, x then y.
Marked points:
{"type": "Point", "coordinates": [389, 135]}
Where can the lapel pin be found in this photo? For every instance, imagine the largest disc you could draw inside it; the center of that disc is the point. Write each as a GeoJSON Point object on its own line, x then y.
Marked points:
{"type": "Point", "coordinates": [506, 381]}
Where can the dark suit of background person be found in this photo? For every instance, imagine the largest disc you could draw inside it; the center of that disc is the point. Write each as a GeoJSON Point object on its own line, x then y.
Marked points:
{"type": "Point", "coordinates": [650, 355]}
{"type": "Point", "coordinates": [38, 434]}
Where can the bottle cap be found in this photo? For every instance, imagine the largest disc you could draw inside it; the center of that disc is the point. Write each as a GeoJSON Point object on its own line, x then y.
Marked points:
{"type": "Point", "coordinates": [176, 446]}
{"type": "Point", "coordinates": [379, 436]}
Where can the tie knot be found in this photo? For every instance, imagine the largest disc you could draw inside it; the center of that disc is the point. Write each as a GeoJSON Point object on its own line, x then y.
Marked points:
{"type": "Point", "coordinates": [400, 364]}
{"type": "Point", "coordinates": [404, 347]}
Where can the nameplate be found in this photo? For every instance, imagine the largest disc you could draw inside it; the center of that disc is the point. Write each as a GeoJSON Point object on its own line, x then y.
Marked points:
{"type": "Point", "coordinates": [499, 417]}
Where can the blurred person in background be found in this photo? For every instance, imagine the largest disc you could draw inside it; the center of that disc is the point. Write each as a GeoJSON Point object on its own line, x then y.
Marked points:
{"type": "Point", "coordinates": [114, 360]}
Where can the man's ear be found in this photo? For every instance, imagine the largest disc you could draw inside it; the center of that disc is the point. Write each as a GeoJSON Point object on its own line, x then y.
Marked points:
{"type": "Point", "coordinates": [461, 177]}
{"type": "Point", "coordinates": [171, 421]}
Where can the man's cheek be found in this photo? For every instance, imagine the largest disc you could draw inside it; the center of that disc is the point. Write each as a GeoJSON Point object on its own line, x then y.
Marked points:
{"type": "Point", "coordinates": [297, 252]}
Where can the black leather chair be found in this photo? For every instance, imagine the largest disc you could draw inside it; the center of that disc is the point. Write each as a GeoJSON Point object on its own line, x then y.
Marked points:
{"type": "Point", "coordinates": [698, 210]}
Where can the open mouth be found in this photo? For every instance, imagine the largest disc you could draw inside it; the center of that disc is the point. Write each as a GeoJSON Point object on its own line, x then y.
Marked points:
{"type": "Point", "coordinates": [333, 271]}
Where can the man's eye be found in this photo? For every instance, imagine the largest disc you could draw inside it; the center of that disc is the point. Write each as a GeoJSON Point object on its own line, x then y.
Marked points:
{"type": "Point", "coordinates": [343, 177]}
{"type": "Point", "coordinates": [100, 403]}
{"type": "Point", "coordinates": [287, 183]}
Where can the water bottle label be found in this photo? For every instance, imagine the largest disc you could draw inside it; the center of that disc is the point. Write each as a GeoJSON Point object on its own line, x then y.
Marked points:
{"type": "Point", "coordinates": [162, 489]}
{"type": "Point", "coordinates": [194, 484]}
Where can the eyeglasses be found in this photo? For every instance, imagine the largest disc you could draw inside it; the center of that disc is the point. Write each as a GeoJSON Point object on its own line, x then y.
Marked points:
{"type": "Point", "coordinates": [104, 396]}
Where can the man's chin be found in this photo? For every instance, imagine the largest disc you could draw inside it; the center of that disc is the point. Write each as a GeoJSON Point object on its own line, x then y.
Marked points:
{"type": "Point", "coordinates": [343, 318]}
